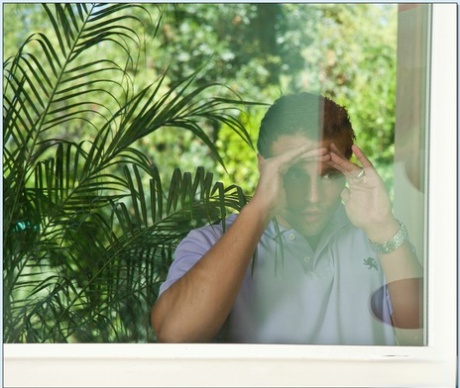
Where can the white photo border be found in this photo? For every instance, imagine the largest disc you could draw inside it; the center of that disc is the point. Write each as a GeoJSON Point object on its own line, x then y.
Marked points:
{"type": "Point", "coordinates": [434, 365]}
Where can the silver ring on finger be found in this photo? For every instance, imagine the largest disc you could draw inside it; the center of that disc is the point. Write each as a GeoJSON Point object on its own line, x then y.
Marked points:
{"type": "Point", "coordinates": [359, 175]}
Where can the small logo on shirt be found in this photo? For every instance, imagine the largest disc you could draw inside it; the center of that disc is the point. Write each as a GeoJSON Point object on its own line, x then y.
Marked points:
{"type": "Point", "coordinates": [371, 263]}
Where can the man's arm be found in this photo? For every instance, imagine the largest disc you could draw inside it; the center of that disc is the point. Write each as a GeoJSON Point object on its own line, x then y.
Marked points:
{"type": "Point", "coordinates": [369, 208]}
{"type": "Point", "coordinates": [403, 273]}
{"type": "Point", "coordinates": [195, 307]}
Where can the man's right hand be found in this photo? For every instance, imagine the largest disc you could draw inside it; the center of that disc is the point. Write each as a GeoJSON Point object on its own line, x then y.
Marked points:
{"type": "Point", "coordinates": [270, 194]}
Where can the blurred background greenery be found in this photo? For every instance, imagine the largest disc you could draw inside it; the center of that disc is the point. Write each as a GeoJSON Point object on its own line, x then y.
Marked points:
{"type": "Point", "coordinates": [260, 51]}
{"type": "Point", "coordinates": [246, 53]}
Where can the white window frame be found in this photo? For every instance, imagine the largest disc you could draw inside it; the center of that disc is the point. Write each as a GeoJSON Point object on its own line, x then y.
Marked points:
{"type": "Point", "coordinates": [434, 365]}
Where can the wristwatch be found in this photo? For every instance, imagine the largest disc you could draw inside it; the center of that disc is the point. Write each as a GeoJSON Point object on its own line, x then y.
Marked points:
{"type": "Point", "coordinates": [394, 243]}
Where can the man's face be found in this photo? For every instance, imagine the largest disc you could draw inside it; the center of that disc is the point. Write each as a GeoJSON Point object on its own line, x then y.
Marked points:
{"type": "Point", "coordinates": [312, 188]}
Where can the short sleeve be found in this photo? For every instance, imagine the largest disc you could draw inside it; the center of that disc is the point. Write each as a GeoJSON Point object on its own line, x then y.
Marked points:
{"type": "Point", "coordinates": [189, 251]}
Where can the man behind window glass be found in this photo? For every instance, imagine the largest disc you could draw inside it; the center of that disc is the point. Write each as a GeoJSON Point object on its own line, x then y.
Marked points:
{"type": "Point", "coordinates": [304, 261]}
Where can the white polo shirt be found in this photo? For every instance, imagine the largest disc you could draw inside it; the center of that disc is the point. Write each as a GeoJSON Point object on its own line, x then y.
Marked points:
{"type": "Point", "coordinates": [294, 295]}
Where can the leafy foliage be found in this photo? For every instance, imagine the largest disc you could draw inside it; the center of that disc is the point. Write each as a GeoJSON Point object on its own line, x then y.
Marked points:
{"type": "Point", "coordinates": [260, 50]}
{"type": "Point", "coordinates": [346, 51]}
{"type": "Point", "coordinates": [89, 228]}
{"type": "Point", "coordinates": [103, 103]}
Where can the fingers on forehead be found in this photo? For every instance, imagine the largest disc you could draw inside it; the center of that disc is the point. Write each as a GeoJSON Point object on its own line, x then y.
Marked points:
{"type": "Point", "coordinates": [304, 153]}
{"type": "Point", "coordinates": [340, 163]}
{"type": "Point", "coordinates": [365, 162]}
{"type": "Point", "coordinates": [288, 158]}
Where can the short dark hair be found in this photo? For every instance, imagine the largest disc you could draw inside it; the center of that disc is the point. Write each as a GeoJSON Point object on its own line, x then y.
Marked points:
{"type": "Point", "coordinates": [312, 115]}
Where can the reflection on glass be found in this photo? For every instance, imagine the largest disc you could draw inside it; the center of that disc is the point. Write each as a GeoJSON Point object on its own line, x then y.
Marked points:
{"type": "Point", "coordinates": [319, 255]}
{"type": "Point", "coordinates": [330, 248]}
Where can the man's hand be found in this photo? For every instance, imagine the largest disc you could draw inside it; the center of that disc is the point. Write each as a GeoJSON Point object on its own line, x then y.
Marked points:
{"type": "Point", "coordinates": [366, 200]}
{"type": "Point", "coordinates": [270, 193]}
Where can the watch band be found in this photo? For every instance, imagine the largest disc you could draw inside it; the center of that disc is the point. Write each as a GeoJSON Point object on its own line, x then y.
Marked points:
{"type": "Point", "coordinates": [394, 243]}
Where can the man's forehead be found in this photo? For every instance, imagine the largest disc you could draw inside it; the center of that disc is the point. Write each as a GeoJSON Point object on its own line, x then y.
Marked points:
{"type": "Point", "coordinates": [312, 166]}
{"type": "Point", "coordinates": [287, 142]}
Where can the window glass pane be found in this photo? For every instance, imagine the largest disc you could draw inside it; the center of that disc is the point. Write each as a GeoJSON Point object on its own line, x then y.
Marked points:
{"type": "Point", "coordinates": [335, 265]}
{"type": "Point", "coordinates": [94, 208]}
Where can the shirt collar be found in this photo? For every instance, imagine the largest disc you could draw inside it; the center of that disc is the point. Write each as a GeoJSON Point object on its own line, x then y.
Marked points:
{"type": "Point", "coordinates": [338, 220]}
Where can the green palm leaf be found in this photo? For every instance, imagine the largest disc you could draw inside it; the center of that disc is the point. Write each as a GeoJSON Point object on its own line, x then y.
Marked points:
{"type": "Point", "coordinates": [89, 228]}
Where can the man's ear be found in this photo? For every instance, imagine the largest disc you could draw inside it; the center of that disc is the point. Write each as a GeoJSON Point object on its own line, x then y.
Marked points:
{"type": "Point", "coordinates": [260, 161]}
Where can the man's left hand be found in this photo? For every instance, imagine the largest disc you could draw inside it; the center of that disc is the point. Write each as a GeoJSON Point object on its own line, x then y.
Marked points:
{"type": "Point", "coordinates": [366, 200]}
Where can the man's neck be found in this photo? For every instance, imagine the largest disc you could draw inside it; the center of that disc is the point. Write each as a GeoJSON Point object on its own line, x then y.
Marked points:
{"type": "Point", "coordinates": [313, 241]}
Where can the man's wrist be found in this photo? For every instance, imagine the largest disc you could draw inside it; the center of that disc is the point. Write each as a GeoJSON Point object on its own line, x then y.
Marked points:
{"type": "Point", "coordinates": [257, 209]}
{"type": "Point", "coordinates": [384, 231]}
{"type": "Point", "coordinates": [393, 243]}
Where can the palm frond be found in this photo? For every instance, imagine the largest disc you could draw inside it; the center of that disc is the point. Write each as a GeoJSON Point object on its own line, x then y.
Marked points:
{"type": "Point", "coordinates": [89, 227]}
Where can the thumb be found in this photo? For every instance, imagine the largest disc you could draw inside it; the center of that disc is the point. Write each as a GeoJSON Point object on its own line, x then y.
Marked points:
{"type": "Point", "coordinates": [345, 195]}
